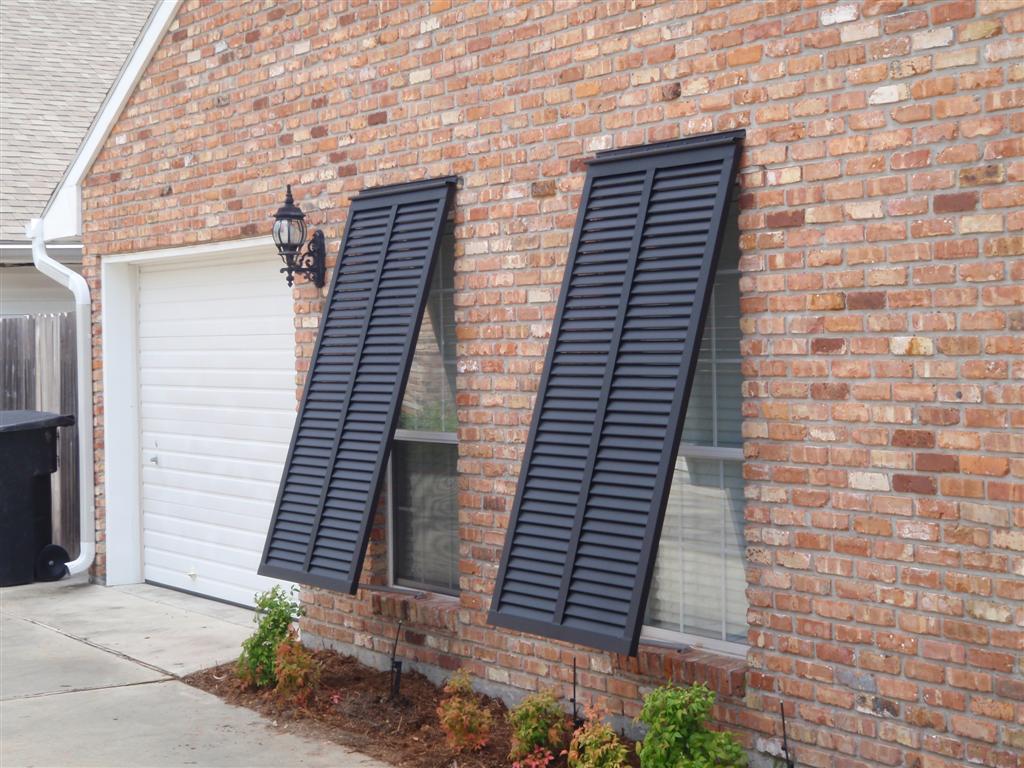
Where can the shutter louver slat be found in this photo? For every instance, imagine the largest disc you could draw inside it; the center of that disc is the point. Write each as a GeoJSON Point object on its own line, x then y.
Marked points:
{"type": "Point", "coordinates": [592, 493]}
{"type": "Point", "coordinates": [349, 409]}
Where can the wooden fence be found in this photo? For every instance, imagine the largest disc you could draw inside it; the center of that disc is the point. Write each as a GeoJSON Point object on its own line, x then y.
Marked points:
{"type": "Point", "coordinates": [37, 372]}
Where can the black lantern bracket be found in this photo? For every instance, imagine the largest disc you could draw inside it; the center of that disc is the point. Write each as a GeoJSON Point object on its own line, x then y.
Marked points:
{"type": "Point", "coordinates": [289, 237]}
{"type": "Point", "coordinates": [312, 262]}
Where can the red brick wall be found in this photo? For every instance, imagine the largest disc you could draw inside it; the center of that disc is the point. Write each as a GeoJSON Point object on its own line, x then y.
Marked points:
{"type": "Point", "coordinates": [882, 232]}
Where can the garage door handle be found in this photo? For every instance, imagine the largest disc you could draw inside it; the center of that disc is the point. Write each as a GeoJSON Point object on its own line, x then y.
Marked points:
{"type": "Point", "coordinates": [154, 460]}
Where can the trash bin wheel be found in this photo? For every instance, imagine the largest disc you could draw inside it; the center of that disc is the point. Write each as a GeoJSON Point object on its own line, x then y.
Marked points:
{"type": "Point", "coordinates": [51, 563]}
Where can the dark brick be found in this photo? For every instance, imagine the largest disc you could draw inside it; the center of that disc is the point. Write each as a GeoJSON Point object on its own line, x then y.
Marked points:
{"type": "Point", "coordinates": [914, 484]}
{"type": "Point", "coordinates": [936, 462]}
{"type": "Point", "coordinates": [958, 201]}
{"type": "Point", "coordinates": [866, 300]}
{"type": "Point", "coordinates": [913, 438]}
{"type": "Point", "coordinates": [790, 218]}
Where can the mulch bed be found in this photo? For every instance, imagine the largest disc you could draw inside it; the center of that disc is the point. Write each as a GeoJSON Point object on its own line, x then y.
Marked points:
{"type": "Point", "coordinates": [351, 707]}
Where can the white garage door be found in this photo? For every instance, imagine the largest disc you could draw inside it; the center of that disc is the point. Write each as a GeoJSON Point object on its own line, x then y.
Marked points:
{"type": "Point", "coordinates": [217, 401]}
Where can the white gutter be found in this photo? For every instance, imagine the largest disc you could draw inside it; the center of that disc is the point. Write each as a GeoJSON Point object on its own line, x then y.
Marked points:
{"type": "Point", "coordinates": [75, 283]}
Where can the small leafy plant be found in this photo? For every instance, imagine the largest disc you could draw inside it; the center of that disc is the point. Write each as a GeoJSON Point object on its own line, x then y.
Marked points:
{"type": "Point", "coordinates": [275, 612]}
{"type": "Point", "coordinates": [596, 745]}
{"type": "Point", "coordinates": [677, 732]}
{"type": "Point", "coordinates": [297, 672]}
{"type": "Point", "coordinates": [465, 721]}
{"type": "Point", "coordinates": [541, 757]}
{"type": "Point", "coordinates": [538, 725]}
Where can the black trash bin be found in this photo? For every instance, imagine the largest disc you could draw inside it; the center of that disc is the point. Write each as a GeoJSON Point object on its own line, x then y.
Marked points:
{"type": "Point", "coordinates": [28, 456]}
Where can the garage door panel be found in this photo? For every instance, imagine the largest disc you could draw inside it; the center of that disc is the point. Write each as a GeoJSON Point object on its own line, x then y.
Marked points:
{"type": "Point", "coordinates": [221, 416]}
{"type": "Point", "coordinates": [216, 349]}
{"type": "Point", "coordinates": [236, 329]}
{"type": "Point", "coordinates": [215, 359]}
{"type": "Point", "coordinates": [212, 308]}
{"type": "Point", "coordinates": [267, 380]}
{"type": "Point", "coordinates": [224, 485]}
{"type": "Point", "coordinates": [236, 516]}
{"type": "Point", "coordinates": [221, 345]}
{"type": "Point", "coordinates": [154, 428]}
{"type": "Point", "coordinates": [205, 542]}
{"type": "Point", "coordinates": [204, 394]}
{"type": "Point", "coordinates": [215, 466]}
{"type": "Point", "coordinates": [206, 295]}
{"type": "Point", "coordinates": [210, 280]}
{"type": "Point", "coordinates": [168, 497]}
{"type": "Point", "coordinates": [211, 578]}
{"type": "Point", "coordinates": [270, 453]}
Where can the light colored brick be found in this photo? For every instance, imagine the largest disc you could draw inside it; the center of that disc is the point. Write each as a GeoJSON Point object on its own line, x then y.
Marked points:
{"type": "Point", "coordinates": [931, 38]}
{"type": "Point", "coordinates": [912, 345]}
{"type": "Point", "coordinates": [840, 14]}
{"type": "Point", "coordinates": [889, 94]}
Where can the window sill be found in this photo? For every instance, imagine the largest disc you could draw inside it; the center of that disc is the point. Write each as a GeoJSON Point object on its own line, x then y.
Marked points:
{"type": "Point", "coordinates": [415, 607]}
{"type": "Point", "coordinates": [684, 664]}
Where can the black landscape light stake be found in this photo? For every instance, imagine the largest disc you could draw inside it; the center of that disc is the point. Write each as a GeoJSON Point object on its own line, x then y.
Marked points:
{"type": "Point", "coordinates": [785, 743]}
{"type": "Point", "coordinates": [577, 721]}
{"type": "Point", "coordinates": [289, 236]}
{"type": "Point", "coordinates": [396, 667]}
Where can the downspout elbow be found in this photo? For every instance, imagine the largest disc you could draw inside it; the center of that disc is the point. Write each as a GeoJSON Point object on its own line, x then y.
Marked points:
{"type": "Point", "coordinates": [78, 286]}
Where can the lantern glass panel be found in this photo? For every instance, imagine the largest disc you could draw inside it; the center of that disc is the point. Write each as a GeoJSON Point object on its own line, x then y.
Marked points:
{"type": "Point", "coordinates": [289, 234]}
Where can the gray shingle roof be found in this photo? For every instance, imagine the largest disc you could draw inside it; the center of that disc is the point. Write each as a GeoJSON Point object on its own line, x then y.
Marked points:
{"type": "Point", "coordinates": [58, 59]}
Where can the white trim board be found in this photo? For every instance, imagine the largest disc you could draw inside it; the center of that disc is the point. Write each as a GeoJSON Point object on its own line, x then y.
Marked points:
{"type": "Point", "coordinates": [121, 450]}
{"type": "Point", "coordinates": [227, 248]}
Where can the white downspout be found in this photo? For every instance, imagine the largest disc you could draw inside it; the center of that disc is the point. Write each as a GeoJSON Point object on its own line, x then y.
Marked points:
{"type": "Point", "coordinates": [75, 283]}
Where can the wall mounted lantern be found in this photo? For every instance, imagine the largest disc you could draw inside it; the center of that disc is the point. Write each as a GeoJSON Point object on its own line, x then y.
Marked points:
{"type": "Point", "coordinates": [290, 234]}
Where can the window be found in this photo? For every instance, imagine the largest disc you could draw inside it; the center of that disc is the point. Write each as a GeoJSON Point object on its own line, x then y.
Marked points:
{"type": "Point", "coordinates": [349, 412]}
{"type": "Point", "coordinates": [698, 590]}
{"type": "Point", "coordinates": [424, 490]}
{"type": "Point", "coordinates": [580, 550]}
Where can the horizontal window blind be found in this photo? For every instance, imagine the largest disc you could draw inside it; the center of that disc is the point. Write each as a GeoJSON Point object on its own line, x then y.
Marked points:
{"type": "Point", "coordinates": [347, 417]}
{"type": "Point", "coordinates": [699, 582]}
{"type": "Point", "coordinates": [592, 490]}
{"type": "Point", "coordinates": [699, 586]}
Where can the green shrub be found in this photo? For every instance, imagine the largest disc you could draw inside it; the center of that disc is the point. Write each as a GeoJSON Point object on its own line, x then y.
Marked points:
{"type": "Point", "coordinates": [677, 732]}
{"type": "Point", "coordinates": [297, 672]}
{"type": "Point", "coordinates": [537, 723]}
{"type": "Point", "coordinates": [465, 722]}
{"type": "Point", "coordinates": [275, 612]}
{"type": "Point", "coordinates": [596, 745]}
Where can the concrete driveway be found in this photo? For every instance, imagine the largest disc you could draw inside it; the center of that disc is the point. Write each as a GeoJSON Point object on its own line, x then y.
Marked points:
{"type": "Point", "coordinates": [89, 677]}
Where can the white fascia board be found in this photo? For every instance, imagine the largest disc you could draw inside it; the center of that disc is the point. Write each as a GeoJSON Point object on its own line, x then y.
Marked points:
{"type": "Point", "coordinates": [62, 217]}
{"type": "Point", "coordinates": [12, 252]}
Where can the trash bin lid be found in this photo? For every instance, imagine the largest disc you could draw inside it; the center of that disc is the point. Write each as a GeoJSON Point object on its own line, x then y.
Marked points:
{"type": "Point", "coordinates": [18, 421]}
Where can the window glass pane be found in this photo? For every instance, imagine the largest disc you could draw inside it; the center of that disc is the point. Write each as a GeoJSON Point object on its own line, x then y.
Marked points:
{"type": "Point", "coordinates": [728, 405]}
{"type": "Point", "coordinates": [426, 517]}
{"type": "Point", "coordinates": [727, 316]}
{"type": "Point", "coordinates": [699, 425]}
{"type": "Point", "coordinates": [699, 582]}
{"type": "Point", "coordinates": [699, 585]}
{"type": "Point", "coordinates": [429, 402]}
{"type": "Point", "coordinates": [713, 414]}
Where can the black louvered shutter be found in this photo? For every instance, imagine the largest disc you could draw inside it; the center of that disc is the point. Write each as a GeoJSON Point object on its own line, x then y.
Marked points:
{"type": "Point", "coordinates": [581, 543]}
{"type": "Point", "coordinates": [354, 387]}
